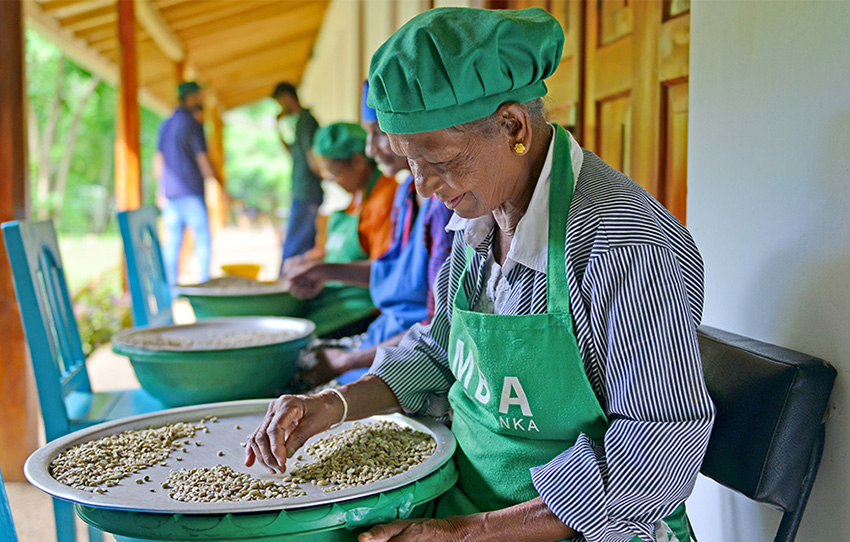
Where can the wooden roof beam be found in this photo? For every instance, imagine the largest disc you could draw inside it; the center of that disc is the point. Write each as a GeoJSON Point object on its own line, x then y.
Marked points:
{"type": "Point", "coordinates": [226, 45]}
{"type": "Point", "coordinates": [266, 81]}
{"type": "Point", "coordinates": [272, 59]}
{"type": "Point", "coordinates": [155, 25]}
{"type": "Point", "coordinates": [84, 55]}
{"type": "Point", "coordinates": [187, 15]}
{"type": "Point", "coordinates": [258, 17]}
{"type": "Point", "coordinates": [65, 8]}
{"type": "Point", "coordinates": [90, 19]}
{"type": "Point", "coordinates": [296, 44]}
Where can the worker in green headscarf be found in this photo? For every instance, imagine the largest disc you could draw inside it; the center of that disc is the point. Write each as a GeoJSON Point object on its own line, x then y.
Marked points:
{"type": "Point", "coordinates": [563, 346]}
{"type": "Point", "coordinates": [355, 236]}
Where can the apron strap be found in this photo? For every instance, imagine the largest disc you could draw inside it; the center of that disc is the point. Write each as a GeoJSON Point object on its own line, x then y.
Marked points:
{"type": "Point", "coordinates": [371, 184]}
{"type": "Point", "coordinates": [560, 197]}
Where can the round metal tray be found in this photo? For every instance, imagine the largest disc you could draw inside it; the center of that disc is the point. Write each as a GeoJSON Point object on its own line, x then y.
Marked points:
{"type": "Point", "coordinates": [210, 290]}
{"type": "Point", "coordinates": [223, 437]}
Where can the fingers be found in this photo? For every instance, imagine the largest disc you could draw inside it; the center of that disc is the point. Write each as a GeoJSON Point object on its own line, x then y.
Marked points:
{"type": "Point", "coordinates": [304, 289]}
{"type": "Point", "coordinates": [265, 443]}
{"type": "Point", "coordinates": [383, 533]}
{"type": "Point", "coordinates": [282, 424]}
{"type": "Point", "coordinates": [288, 423]}
{"type": "Point", "coordinates": [249, 457]}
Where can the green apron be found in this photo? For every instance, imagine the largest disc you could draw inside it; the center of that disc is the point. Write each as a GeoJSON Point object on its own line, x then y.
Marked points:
{"type": "Point", "coordinates": [338, 304]}
{"type": "Point", "coordinates": [521, 396]}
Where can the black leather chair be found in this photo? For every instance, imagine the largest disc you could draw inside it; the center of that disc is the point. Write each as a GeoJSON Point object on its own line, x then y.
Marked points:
{"type": "Point", "coordinates": [768, 436]}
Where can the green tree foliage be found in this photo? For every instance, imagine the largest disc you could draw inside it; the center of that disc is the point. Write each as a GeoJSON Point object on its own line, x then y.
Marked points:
{"type": "Point", "coordinates": [259, 170]}
{"type": "Point", "coordinates": [71, 141]}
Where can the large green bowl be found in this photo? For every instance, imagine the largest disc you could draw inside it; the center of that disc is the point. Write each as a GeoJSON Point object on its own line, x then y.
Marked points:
{"type": "Point", "coordinates": [279, 304]}
{"type": "Point", "coordinates": [338, 522]}
{"type": "Point", "coordinates": [179, 376]}
{"type": "Point", "coordinates": [239, 297]}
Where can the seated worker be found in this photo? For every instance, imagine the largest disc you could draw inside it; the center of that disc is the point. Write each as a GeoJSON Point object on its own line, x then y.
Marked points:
{"type": "Point", "coordinates": [401, 279]}
{"type": "Point", "coordinates": [355, 236]}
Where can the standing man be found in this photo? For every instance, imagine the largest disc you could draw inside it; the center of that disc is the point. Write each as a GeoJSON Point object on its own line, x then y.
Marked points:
{"type": "Point", "coordinates": [181, 164]}
{"type": "Point", "coordinates": [306, 182]}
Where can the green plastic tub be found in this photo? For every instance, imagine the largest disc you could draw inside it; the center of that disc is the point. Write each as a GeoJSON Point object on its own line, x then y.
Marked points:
{"type": "Point", "coordinates": [238, 296]}
{"type": "Point", "coordinates": [280, 304]}
{"type": "Point", "coordinates": [337, 522]}
{"type": "Point", "coordinates": [195, 374]}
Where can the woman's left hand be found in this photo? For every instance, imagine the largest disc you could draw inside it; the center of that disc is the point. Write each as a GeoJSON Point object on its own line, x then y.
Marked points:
{"type": "Point", "coordinates": [530, 520]}
{"type": "Point", "coordinates": [453, 529]}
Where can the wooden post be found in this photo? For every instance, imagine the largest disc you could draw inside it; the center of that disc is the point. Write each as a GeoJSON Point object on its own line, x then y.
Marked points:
{"type": "Point", "coordinates": [18, 409]}
{"type": "Point", "coordinates": [220, 212]}
{"type": "Point", "coordinates": [179, 72]}
{"type": "Point", "coordinates": [128, 192]}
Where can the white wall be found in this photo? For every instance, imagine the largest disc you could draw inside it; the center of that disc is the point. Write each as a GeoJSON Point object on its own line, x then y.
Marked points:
{"type": "Point", "coordinates": [769, 207]}
{"type": "Point", "coordinates": [332, 82]}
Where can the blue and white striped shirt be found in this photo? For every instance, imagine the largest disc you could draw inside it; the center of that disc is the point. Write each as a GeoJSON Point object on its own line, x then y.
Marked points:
{"type": "Point", "coordinates": [636, 293]}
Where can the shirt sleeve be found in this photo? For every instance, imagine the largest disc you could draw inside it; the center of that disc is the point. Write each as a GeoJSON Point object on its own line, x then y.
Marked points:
{"type": "Point", "coordinates": [159, 145]}
{"type": "Point", "coordinates": [659, 409]}
{"type": "Point", "coordinates": [438, 243]}
{"type": "Point", "coordinates": [196, 138]}
{"type": "Point", "coordinates": [417, 370]}
{"type": "Point", "coordinates": [374, 225]}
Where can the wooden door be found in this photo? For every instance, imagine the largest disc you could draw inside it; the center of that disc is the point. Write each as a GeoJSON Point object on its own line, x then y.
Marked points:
{"type": "Point", "coordinates": [564, 96]}
{"type": "Point", "coordinates": [622, 86]}
{"type": "Point", "coordinates": [636, 92]}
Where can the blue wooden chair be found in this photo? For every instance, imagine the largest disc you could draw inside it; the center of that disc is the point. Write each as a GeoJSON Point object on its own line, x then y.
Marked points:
{"type": "Point", "coordinates": [64, 391]}
{"type": "Point", "coordinates": [145, 267]}
{"type": "Point", "coordinates": [7, 526]}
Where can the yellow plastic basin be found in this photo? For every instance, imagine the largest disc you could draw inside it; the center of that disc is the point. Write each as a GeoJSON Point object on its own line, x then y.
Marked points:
{"type": "Point", "coordinates": [246, 270]}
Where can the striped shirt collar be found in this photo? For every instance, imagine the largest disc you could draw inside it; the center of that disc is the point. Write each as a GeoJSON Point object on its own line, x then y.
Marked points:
{"type": "Point", "coordinates": [530, 242]}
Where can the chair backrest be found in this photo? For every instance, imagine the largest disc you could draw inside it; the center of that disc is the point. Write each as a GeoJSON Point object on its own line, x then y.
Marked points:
{"type": "Point", "coordinates": [48, 317]}
{"type": "Point", "coordinates": [7, 526]}
{"type": "Point", "coordinates": [145, 267]}
{"type": "Point", "coordinates": [768, 436]}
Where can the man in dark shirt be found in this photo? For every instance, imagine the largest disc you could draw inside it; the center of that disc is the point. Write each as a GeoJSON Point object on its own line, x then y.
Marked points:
{"type": "Point", "coordinates": [306, 181]}
{"type": "Point", "coordinates": [180, 165]}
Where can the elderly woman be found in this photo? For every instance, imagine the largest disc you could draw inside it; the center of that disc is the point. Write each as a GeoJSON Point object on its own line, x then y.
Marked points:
{"type": "Point", "coordinates": [355, 236]}
{"type": "Point", "coordinates": [563, 344]}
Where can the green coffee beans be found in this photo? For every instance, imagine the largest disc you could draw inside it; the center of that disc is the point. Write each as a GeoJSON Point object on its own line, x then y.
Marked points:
{"type": "Point", "coordinates": [223, 484]}
{"type": "Point", "coordinates": [105, 461]}
{"type": "Point", "coordinates": [364, 453]}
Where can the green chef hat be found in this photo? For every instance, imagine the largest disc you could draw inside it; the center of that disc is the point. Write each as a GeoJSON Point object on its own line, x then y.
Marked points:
{"type": "Point", "coordinates": [340, 140]}
{"type": "Point", "coordinates": [448, 66]}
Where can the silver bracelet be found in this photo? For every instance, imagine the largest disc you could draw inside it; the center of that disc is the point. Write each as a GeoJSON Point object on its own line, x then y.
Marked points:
{"type": "Point", "coordinates": [344, 407]}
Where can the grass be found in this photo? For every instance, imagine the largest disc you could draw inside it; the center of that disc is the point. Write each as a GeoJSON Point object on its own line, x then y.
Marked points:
{"type": "Point", "coordinates": [89, 258]}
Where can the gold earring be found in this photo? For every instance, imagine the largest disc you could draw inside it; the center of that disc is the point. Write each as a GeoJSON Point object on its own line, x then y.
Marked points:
{"type": "Point", "coordinates": [519, 148]}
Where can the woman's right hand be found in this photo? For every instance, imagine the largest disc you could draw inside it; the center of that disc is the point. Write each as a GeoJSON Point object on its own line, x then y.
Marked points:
{"type": "Point", "coordinates": [306, 276]}
{"type": "Point", "coordinates": [288, 423]}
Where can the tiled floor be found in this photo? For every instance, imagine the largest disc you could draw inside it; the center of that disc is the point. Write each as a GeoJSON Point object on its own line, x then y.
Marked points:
{"type": "Point", "coordinates": [33, 510]}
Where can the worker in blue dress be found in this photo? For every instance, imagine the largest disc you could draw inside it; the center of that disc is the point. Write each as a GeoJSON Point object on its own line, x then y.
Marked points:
{"type": "Point", "coordinates": [401, 279]}
{"type": "Point", "coordinates": [563, 345]}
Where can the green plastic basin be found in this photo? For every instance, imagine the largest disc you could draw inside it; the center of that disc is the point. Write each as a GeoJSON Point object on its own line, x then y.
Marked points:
{"type": "Point", "coordinates": [195, 376]}
{"type": "Point", "coordinates": [337, 522]}
{"type": "Point", "coordinates": [277, 304]}
{"type": "Point", "coordinates": [237, 296]}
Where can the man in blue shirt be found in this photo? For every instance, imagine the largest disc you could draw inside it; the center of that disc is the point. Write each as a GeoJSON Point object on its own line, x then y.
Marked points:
{"type": "Point", "coordinates": [180, 165]}
{"type": "Point", "coordinates": [306, 182]}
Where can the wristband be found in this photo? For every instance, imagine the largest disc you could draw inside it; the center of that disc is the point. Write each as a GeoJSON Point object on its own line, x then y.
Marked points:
{"type": "Point", "coordinates": [344, 407]}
